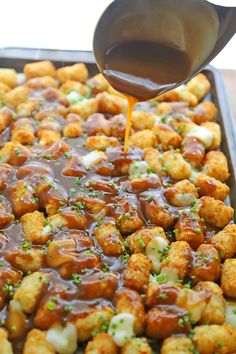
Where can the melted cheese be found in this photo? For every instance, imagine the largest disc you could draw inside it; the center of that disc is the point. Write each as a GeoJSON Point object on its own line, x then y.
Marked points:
{"type": "Point", "coordinates": [73, 97]}
{"type": "Point", "coordinates": [63, 339]}
{"type": "Point", "coordinates": [92, 158]}
{"type": "Point", "coordinates": [192, 301]}
{"type": "Point", "coordinates": [121, 328]}
{"type": "Point", "coordinates": [139, 168]}
{"type": "Point", "coordinates": [184, 199]}
{"type": "Point", "coordinates": [202, 134]}
{"type": "Point", "coordinates": [152, 250]}
{"type": "Point", "coordinates": [230, 313]}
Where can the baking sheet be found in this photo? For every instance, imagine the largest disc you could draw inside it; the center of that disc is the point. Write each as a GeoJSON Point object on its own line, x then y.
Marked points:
{"type": "Point", "coordinates": [17, 57]}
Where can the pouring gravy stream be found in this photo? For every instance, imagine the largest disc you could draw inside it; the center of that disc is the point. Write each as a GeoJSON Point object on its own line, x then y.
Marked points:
{"type": "Point", "coordinates": [146, 69]}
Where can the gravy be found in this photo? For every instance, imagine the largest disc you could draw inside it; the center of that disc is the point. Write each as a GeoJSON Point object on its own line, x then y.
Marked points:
{"type": "Point", "coordinates": [143, 68]}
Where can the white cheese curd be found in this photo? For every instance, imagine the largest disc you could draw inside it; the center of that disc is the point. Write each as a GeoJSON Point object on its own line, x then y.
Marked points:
{"type": "Point", "coordinates": [202, 134]}
{"type": "Point", "coordinates": [46, 230]}
{"type": "Point", "coordinates": [153, 249]}
{"type": "Point", "coordinates": [92, 158]}
{"type": "Point", "coordinates": [230, 313]}
{"type": "Point", "coordinates": [63, 339]}
{"type": "Point", "coordinates": [139, 168]}
{"type": "Point", "coordinates": [184, 199]}
{"type": "Point", "coordinates": [74, 97]}
{"type": "Point", "coordinates": [121, 328]}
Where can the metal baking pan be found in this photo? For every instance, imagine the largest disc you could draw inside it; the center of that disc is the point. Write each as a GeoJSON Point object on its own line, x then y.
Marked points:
{"type": "Point", "coordinates": [17, 57]}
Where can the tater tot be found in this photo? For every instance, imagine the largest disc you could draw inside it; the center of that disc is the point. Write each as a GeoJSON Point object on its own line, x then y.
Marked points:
{"type": "Point", "coordinates": [175, 165]}
{"type": "Point", "coordinates": [108, 103]}
{"type": "Point", "coordinates": [8, 77]}
{"type": "Point", "coordinates": [176, 264]}
{"type": "Point", "coordinates": [16, 320]}
{"type": "Point", "coordinates": [143, 120]}
{"type": "Point", "coordinates": [42, 82]}
{"type": "Point", "coordinates": [204, 112]}
{"type": "Point", "coordinates": [216, 165]}
{"type": "Point", "coordinates": [139, 240]}
{"type": "Point", "coordinates": [228, 274]}
{"type": "Point", "coordinates": [26, 261]}
{"type": "Point", "coordinates": [48, 137]}
{"type": "Point", "coordinates": [97, 124]}
{"type": "Point", "coordinates": [22, 198]}
{"type": "Point", "coordinates": [164, 320]}
{"type": "Point", "coordinates": [72, 255]}
{"type": "Point", "coordinates": [3, 90]}
{"type": "Point", "coordinates": [199, 85]}
{"type": "Point", "coordinates": [73, 127]}
{"type": "Point", "coordinates": [40, 68]}
{"type": "Point", "coordinates": [179, 94]}
{"type": "Point", "coordinates": [193, 151]}
{"type": "Point", "coordinates": [109, 238]}
{"type": "Point", "coordinates": [16, 96]}
{"type": "Point", "coordinates": [214, 128]}
{"type": "Point", "coordinates": [75, 86]}
{"type": "Point", "coordinates": [212, 339]}
{"type": "Point", "coordinates": [91, 322]}
{"type": "Point", "coordinates": [164, 108]}
{"type": "Point", "coordinates": [225, 241]}
{"type": "Point", "coordinates": [36, 343]}
{"type": "Point", "coordinates": [182, 124]}
{"type": "Point", "coordinates": [177, 345]}
{"type": "Point", "coordinates": [99, 285]}
{"type": "Point", "coordinates": [130, 301]}
{"type": "Point", "coordinates": [182, 193]}
{"type": "Point", "coordinates": [6, 117]}
{"type": "Point", "coordinates": [5, 172]}
{"type": "Point", "coordinates": [29, 107]}
{"type": "Point", "coordinates": [157, 211]}
{"type": "Point", "coordinates": [30, 291]}
{"type": "Point", "coordinates": [76, 72]}
{"type": "Point", "coordinates": [153, 159]}
{"type": "Point", "coordinates": [211, 187]}
{"type": "Point", "coordinates": [128, 219]}
{"type": "Point", "coordinates": [33, 228]}
{"type": "Point", "coordinates": [161, 291]}
{"type": "Point", "coordinates": [136, 346]}
{"type": "Point", "coordinates": [137, 272]}
{"type": "Point", "coordinates": [214, 312]}
{"type": "Point", "coordinates": [5, 345]}
{"type": "Point", "coordinates": [166, 136]}
{"type": "Point", "coordinates": [206, 264]}
{"type": "Point", "coordinates": [102, 343]}
{"type": "Point", "coordinates": [23, 131]}
{"type": "Point", "coordinates": [98, 84]}
{"type": "Point", "coordinates": [6, 216]}
{"type": "Point", "coordinates": [101, 142]}
{"type": "Point", "coordinates": [189, 228]}
{"type": "Point", "coordinates": [215, 212]}
{"type": "Point", "coordinates": [85, 108]}
{"type": "Point", "coordinates": [143, 139]}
